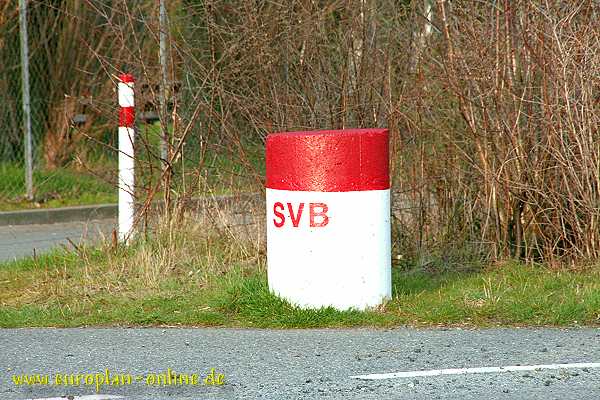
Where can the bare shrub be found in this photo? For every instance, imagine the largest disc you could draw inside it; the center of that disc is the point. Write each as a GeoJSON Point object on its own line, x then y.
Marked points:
{"type": "Point", "coordinates": [523, 80]}
{"type": "Point", "coordinates": [493, 108]}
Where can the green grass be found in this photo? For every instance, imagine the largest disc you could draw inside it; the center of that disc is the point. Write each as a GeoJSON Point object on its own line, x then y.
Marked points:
{"type": "Point", "coordinates": [58, 188]}
{"type": "Point", "coordinates": [204, 280]}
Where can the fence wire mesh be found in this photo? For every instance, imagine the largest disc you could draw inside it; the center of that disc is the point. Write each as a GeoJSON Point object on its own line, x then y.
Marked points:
{"type": "Point", "coordinates": [65, 92]}
{"type": "Point", "coordinates": [76, 51]}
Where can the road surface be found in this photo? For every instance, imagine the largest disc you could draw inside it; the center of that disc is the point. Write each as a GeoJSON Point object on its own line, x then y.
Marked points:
{"type": "Point", "coordinates": [17, 241]}
{"type": "Point", "coordinates": [302, 364]}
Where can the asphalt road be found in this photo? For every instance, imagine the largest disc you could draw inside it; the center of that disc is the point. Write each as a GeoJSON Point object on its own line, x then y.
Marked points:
{"type": "Point", "coordinates": [17, 241]}
{"type": "Point", "coordinates": [304, 364]}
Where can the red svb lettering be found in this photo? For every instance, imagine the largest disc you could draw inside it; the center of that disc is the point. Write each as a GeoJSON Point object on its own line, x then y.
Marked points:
{"type": "Point", "coordinates": [317, 218]}
{"type": "Point", "coordinates": [276, 207]}
{"type": "Point", "coordinates": [318, 215]}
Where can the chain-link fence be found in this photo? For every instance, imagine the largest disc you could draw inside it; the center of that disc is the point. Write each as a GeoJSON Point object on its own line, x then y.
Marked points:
{"type": "Point", "coordinates": [71, 106]}
{"type": "Point", "coordinates": [76, 51]}
{"type": "Point", "coordinates": [65, 90]}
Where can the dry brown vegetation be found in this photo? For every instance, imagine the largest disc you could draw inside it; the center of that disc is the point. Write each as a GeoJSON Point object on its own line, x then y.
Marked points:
{"type": "Point", "coordinates": [493, 107]}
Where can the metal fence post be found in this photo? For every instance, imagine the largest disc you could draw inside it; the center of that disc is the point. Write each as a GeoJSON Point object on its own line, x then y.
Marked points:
{"type": "Point", "coordinates": [25, 96]}
{"type": "Point", "coordinates": [164, 127]}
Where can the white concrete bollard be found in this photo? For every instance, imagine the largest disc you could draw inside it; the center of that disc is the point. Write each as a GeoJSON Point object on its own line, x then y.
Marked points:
{"type": "Point", "coordinates": [126, 155]}
{"type": "Point", "coordinates": [328, 218]}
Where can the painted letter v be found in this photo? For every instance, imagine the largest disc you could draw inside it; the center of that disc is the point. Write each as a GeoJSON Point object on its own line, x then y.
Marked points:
{"type": "Point", "coordinates": [295, 218]}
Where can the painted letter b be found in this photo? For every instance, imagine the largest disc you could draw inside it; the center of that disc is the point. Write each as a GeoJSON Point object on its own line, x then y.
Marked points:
{"type": "Point", "coordinates": [322, 213]}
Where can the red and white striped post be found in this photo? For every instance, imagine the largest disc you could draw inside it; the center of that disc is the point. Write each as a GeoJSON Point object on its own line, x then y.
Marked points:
{"type": "Point", "coordinates": [328, 218]}
{"type": "Point", "coordinates": [126, 155]}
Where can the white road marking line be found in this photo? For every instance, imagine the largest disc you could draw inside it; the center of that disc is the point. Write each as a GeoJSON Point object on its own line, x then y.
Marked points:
{"type": "Point", "coordinates": [88, 397]}
{"type": "Point", "coordinates": [481, 370]}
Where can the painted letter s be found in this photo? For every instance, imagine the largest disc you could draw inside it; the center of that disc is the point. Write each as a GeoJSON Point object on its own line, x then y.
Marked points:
{"type": "Point", "coordinates": [276, 206]}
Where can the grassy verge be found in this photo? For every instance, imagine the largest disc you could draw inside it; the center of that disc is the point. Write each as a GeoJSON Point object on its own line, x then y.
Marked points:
{"type": "Point", "coordinates": [58, 188]}
{"type": "Point", "coordinates": [206, 279]}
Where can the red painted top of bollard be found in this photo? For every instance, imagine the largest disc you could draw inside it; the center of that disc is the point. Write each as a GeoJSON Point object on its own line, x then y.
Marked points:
{"type": "Point", "coordinates": [126, 78]}
{"type": "Point", "coordinates": [329, 160]}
